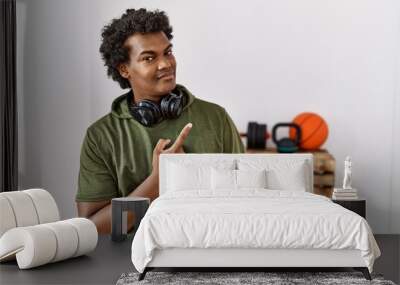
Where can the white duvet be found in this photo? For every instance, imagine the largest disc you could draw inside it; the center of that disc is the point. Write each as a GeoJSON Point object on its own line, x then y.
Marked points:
{"type": "Point", "coordinates": [250, 219]}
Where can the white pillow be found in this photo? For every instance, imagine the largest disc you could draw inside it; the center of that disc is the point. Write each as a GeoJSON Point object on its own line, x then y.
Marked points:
{"type": "Point", "coordinates": [287, 179]}
{"type": "Point", "coordinates": [237, 179]}
{"type": "Point", "coordinates": [251, 178]}
{"type": "Point", "coordinates": [223, 179]}
{"type": "Point", "coordinates": [282, 174]}
{"type": "Point", "coordinates": [183, 178]}
{"type": "Point", "coordinates": [187, 174]}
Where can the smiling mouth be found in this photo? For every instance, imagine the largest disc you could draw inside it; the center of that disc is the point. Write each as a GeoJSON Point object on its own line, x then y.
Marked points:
{"type": "Point", "coordinates": [167, 76]}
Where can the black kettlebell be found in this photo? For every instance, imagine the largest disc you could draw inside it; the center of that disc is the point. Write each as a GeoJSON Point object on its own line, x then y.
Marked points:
{"type": "Point", "coordinates": [287, 145]}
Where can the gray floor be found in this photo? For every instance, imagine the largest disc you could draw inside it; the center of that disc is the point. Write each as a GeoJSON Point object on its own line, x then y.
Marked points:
{"type": "Point", "coordinates": [110, 260]}
{"type": "Point", "coordinates": [102, 266]}
{"type": "Point", "coordinates": [389, 262]}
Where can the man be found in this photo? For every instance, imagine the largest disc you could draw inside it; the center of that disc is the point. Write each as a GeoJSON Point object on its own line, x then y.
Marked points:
{"type": "Point", "coordinates": [120, 152]}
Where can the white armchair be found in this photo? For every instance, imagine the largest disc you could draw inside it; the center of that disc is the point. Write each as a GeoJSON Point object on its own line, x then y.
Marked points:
{"type": "Point", "coordinates": [31, 232]}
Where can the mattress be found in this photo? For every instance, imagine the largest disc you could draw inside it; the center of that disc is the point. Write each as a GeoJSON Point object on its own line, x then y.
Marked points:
{"type": "Point", "coordinates": [251, 219]}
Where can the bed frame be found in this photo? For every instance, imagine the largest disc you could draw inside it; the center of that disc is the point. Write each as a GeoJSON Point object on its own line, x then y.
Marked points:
{"type": "Point", "coordinates": [242, 259]}
{"type": "Point", "coordinates": [256, 259]}
{"type": "Point", "coordinates": [245, 259]}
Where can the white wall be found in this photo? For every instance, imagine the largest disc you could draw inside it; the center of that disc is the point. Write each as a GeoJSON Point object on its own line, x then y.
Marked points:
{"type": "Point", "coordinates": [261, 60]}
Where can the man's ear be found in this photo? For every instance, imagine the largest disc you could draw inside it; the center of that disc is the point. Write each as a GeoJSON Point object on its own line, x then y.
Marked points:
{"type": "Point", "coordinates": [123, 70]}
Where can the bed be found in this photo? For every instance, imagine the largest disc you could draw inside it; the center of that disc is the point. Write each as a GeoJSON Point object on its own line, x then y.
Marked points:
{"type": "Point", "coordinates": [247, 210]}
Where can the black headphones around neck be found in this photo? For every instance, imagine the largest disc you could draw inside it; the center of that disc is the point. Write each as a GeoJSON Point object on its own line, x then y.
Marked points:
{"type": "Point", "coordinates": [149, 113]}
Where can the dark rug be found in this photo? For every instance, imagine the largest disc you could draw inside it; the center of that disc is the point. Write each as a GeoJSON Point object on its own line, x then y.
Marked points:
{"type": "Point", "coordinates": [228, 278]}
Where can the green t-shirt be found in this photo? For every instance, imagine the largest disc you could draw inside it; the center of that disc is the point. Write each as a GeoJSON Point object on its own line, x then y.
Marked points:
{"type": "Point", "coordinates": [117, 151]}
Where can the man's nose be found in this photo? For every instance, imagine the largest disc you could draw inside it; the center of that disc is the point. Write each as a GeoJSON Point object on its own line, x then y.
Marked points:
{"type": "Point", "coordinates": [164, 63]}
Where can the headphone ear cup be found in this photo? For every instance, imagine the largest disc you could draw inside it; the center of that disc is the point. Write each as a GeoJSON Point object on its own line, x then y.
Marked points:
{"type": "Point", "coordinates": [146, 112]}
{"type": "Point", "coordinates": [172, 105]}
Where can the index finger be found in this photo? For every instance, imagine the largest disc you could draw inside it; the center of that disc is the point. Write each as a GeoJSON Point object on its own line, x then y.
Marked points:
{"type": "Point", "coordinates": [182, 136]}
{"type": "Point", "coordinates": [161, 144]}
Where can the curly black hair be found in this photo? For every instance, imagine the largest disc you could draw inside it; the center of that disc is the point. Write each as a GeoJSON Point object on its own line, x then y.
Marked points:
{"type": "Point", "coordinates": [114, 35]}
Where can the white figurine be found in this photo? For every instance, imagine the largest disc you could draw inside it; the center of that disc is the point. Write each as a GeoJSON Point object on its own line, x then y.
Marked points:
{"type": "Point", "coordinates": [347, 173]}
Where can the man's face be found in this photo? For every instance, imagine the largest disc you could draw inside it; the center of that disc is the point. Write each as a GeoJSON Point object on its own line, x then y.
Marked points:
{"type": "Point", "coordinates": [152, 66]}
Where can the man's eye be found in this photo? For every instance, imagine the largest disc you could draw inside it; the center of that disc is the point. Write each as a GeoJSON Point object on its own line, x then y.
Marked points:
{"type": "Point", "coordinates": [169, 52]}
{"type": "Point", "coordinates": [149, 58]}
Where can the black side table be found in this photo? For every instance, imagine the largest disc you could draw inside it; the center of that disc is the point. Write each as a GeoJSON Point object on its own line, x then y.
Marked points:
{"type": "Point", "coordinates": [119, 208]}
{"type": "Point", "coordinates": [358, 206]}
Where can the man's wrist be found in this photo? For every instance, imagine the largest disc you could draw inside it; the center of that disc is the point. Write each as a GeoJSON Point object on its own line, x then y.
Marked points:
{"type": "Point", "coordinates": [154, 176]}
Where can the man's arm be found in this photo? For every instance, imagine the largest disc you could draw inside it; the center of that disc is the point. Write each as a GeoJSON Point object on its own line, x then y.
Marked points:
{"type": "Point", "coordinates": [100, 212]}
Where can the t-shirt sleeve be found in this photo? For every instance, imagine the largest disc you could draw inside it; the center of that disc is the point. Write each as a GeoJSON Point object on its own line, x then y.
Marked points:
{"type": "Point", "coordinates": [232, 141]}
{"type": "Point", "coordinates": [95, 182]}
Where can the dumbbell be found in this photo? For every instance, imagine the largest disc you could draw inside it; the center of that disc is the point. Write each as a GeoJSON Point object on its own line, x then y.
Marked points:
{"type": "Point", "coordinates": [256, 135]}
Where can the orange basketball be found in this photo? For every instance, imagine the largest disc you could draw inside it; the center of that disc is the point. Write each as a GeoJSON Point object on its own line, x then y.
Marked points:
{"type": "Point", "coordinates": [314, 130]}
